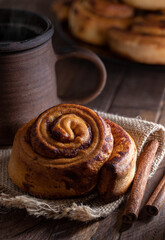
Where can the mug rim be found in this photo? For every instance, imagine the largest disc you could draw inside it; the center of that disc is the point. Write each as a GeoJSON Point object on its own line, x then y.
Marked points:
{"type": "Point", "coordinates": [44, 36]}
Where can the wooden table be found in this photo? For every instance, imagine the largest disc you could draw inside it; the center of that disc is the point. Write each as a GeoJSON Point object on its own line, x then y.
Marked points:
{"type": "Point", "coordinates": [131, 90]}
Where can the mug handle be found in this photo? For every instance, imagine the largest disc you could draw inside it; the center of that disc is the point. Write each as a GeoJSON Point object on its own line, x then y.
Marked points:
{"type": "Point", "coordinates": [83, 53]}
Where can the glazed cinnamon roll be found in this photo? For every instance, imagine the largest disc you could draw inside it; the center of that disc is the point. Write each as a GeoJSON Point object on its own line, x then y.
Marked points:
{"type": "Point", "coordinates": [60, 153]}
{"type": "Point", "coordinates": [143, 41]}
{"type": "Point", "coordinates": [89, 20]}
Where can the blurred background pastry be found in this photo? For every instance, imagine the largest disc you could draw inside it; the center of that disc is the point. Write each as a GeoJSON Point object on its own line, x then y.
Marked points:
{"type": "Point", "coordinates": [61, 9]}
{"type": "Point", "coordinates": [143, 41]}
{"type": "Point", "coordinates": [132, 29]}
{"type": "Point", "coordinates": [89, 20]}
{"type": "Point", "coordinates": [147, 4]}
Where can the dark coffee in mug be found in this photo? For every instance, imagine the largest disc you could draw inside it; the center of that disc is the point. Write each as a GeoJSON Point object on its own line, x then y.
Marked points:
{"type": "Point", "coordinates": [20, 28]}
{"type": "Point", "coordinates": [16, 32]}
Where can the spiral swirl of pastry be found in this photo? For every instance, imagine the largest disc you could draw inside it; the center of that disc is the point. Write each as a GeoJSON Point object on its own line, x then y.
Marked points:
{"type": "Point", "coordinates": [61, 136]}
{"type": "Point", "coordinates": [90, 19]}
{"type": "Point", "coordinates": [143, 41]}
{"type": "Point", "coordinates": [61, 152]}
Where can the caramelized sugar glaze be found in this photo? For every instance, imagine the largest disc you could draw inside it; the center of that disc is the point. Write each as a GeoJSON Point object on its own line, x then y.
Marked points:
{"type": "Point", "coordinates": [61, 153]}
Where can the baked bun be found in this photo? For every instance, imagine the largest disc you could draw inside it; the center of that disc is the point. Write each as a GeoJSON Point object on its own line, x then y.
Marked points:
{"type": "Point", "coordinates": [59, 154]}
{"type": "Point", "coordinates": [89, 19]}
{"type": "Point", "coordinates": [147, 4]}
{"type": "Point", "coordinates": [143, 41]}
{"type": "Point", "coordinates": [68, 150]}
{"type": "Point", "coordinates": [118, 172]}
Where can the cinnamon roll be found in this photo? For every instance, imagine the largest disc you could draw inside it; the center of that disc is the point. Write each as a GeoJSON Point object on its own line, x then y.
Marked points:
{"type": "Point", "coordinates": [118, 172]}
{"type": "Point", "coordinates": [69, 150]}
{"type": "Point", "coordinates": [147, 4]}
{"type": "Point", "coordinates": [89, 20]}
{"type": "Point", "coordinates": [60, 153]}
{"type": "Point", "coordinates": [143, 41]}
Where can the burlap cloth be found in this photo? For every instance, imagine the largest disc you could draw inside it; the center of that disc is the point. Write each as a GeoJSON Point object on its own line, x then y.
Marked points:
{"type": "Point", "coordinates": [89, 207]}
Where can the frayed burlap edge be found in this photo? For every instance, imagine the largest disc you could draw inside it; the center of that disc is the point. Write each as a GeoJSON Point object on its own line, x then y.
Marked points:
{"type": "Point", "coordinates": [89, 207]}
{"type": "Point", "coordinates": [37, 208]}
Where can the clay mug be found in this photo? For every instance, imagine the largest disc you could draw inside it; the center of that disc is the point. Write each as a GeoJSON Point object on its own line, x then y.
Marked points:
{"type": "Point", "coordinates": [27, 69]}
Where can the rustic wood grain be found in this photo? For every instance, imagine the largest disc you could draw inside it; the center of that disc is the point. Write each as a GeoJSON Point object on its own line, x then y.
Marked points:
{"type": "Point", "coordinates": [84, 78]}
{"type": "Point", "coordinates": [140, 94]}
{"type": "Point", "coordinates": [113, 83]}
{"type": "Point", "coordinates": [130, 91]}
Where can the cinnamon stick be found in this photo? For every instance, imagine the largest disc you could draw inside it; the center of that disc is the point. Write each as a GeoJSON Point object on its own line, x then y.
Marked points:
{"type": "Point", "coordinates": [131, 211]}
{"type": "Point", "coordinates": [157, 199]}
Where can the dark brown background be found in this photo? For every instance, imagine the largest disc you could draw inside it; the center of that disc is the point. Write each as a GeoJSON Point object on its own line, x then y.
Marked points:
{"type": "Point", "coordinates": [131, 90]}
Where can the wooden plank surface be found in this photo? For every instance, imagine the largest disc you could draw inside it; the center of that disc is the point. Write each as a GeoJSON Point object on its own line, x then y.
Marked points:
{"type": "Point", "coordinates": [140, 94]}
{"type": "Point", "coordinates": [130, 91]}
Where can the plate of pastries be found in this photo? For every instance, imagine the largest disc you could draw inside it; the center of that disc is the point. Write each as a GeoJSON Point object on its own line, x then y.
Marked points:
{"type": "Point", "coordinates": [132, 30]}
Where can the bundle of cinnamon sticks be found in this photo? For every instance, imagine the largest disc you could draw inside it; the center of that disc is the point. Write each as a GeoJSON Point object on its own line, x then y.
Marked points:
{"type": "Point", "coordinates": [157, 199]}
